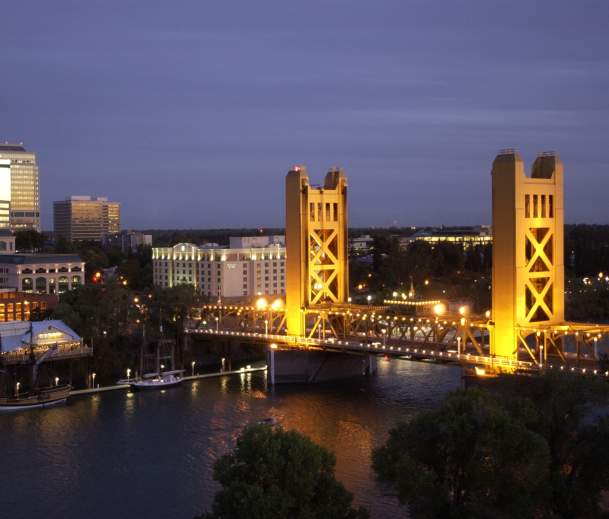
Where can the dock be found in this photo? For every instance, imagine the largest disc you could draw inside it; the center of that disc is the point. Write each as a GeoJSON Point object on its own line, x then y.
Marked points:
{"type": "Point", "coordinates": [215, 374]}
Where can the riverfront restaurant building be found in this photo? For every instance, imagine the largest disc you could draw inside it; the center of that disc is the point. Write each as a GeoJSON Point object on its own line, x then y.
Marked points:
{"type": "Point", "coordinates": [17, 338]}
{"type": "Point", "coordinates": [251, 266]}
{"type": "Point", "coordinates": [41, 273]}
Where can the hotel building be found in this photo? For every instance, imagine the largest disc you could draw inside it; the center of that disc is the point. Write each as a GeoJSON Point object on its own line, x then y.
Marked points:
{"type": "Point", "coordinates": [241, 271]}
{"type": "Point", "coordinates": [86, 218]}
{"type": "Point", "coordinates": [24, 197]}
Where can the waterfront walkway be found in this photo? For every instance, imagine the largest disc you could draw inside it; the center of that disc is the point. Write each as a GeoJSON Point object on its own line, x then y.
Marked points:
{"type": "Point", "coordinates": [101, 389]}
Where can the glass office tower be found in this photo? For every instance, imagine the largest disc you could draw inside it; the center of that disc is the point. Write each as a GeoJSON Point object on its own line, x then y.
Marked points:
{"type": "Point", "coordinates": [86, 218]}
{"type": "Point", "coordinates": [25, 200]}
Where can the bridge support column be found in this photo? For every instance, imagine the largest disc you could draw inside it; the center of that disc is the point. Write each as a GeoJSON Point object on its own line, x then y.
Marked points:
{"type": "Point", "coordinates": [309, 366]}
{"type": "Point", "coordinates": [316, 240]}
{"type": "Point", "coordinates": [528, 270]}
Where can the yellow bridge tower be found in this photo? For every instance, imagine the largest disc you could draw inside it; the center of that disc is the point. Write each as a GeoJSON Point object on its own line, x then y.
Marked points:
{"type": "Point", "coordinates": [528, 268]}
{"type": "Point", "coordinates": [316, 238]}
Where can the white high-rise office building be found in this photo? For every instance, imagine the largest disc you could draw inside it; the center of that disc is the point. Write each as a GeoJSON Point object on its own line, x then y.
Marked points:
{"type": "Point", "coordinates": [5, 193]}
{"type": "Point", "coordinates": [24, 199]}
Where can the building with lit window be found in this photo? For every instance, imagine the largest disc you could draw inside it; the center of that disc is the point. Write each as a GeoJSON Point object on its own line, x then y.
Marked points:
{"type": "Point", "coordinates": [127, 241]}
{"type": "Point", "coordinates": [238, 273]}
{"type": "Point", "coordinates": [24, 191]}
{"type": "Point", "coordinates": [7, 242]}
{"type": "Point", "coordinates": [86, 218]}
{"type": "Point", "coordinates": [464, 236]}
{"type": "Point", "coordinates": [41, 273]}
{"type": "Point", "coordinates": [20, 306]}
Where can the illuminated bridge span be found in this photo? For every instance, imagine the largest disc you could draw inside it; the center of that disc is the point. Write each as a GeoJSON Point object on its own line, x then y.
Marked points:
{"type": "Point", "coordinates": [524, 331]}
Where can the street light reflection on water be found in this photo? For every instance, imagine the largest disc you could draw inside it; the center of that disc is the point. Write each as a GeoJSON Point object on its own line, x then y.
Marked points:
{"type": "Point", "coordinates": [153, 451]}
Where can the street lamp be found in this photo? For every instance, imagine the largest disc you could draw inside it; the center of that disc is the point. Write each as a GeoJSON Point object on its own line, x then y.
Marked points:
{"type": "Point", "coordinates": [368, 298]}
{"type": "Point", "coordinates": [261, 303]}
{"type": "Point", "coordinates": [384, 331]}
{"type": "Point", "coordinates": [266, 327]}
{"type": "Point", "coordinates": [222, 363]}
{"type": "Point", "coordinates": [128, 374]}
{"type": "Point", "coordinates": [17, 386]}
{"type": "Point", "coordinates": [93, 378]}
{"type": "Point", "coordinates": [56, 381]}
{"type": "Point", "coordinates": [192, 366]}
{"type": "Point", "coordinates": [217, 324]}
{"type": "Point", "coordinates": [439, 309]}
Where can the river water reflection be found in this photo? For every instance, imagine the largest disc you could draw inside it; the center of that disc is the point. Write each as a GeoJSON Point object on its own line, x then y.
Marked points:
{"type": "Point", "coordinates": [126, 455]}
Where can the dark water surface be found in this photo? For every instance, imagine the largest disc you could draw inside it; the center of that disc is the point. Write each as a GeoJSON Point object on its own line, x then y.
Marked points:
{"type": "Point", "coordinates": [126, 455]}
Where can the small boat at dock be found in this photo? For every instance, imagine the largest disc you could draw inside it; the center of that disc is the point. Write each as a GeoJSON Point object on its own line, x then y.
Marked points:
{"type": "Point", "coordinates": [45, 397]}
{"type": "Point", "coordinates": [161, 380]}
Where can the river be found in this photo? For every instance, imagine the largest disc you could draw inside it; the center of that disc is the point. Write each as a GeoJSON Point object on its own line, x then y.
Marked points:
{"type": "Point", "coordinates": [125, 455]}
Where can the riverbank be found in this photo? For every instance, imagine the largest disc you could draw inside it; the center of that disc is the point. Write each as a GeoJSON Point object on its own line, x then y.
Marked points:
{"type": "Point", "coordinates": [102, 389]}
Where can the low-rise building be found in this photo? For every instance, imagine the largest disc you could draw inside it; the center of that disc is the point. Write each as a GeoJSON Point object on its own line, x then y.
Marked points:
{"type": "Point", "coordinates": [21, 306]}
{"type": "Point", "coordinates": [7, 242]}
{"type": "Point", "coordinates": [361, 244]}
{"type": "Point", "coordinates": [41, 273]}
{"type": "Point", "coordinates": [464, 236]}
{"type": "Point", "coordinates": [127, 241]}
{"type": "Point", "coordinates": [221, 272]}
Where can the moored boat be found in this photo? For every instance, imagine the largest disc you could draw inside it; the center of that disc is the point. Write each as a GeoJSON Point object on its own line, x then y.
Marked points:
{"type": "Point", "coordinates": [46, 397]}
{"type": "Point", "coordinates": [161, 380]}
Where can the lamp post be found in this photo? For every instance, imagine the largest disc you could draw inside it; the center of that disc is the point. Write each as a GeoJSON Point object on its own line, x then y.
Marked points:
{"type": "Point", "coordinates": [93, 379]}
{"type": "Point", "coordinates": [222, 364]}
{"type": "Point", "coordinates": [17, 386]}
{"type": "Point", "coordinates": [128, 374]}
{"type": "Point", "coordinates": [56, 381]}
{"type": "Point", "coordinates": [458, 346]}
{"type": "Point", "coordinates": [192, 367]}
{"type": "Point", "coordinates": [541, 355]}
{"type": "Point", "coordinates": [272, 363]}
{"type": "Point", "coordinates": [266, 327]}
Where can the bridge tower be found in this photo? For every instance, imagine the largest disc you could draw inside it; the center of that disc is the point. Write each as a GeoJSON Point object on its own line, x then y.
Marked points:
{"type": "Point", "coordinates": [316, 244]}
{"type": "Point", "coordinates": [528, 268]}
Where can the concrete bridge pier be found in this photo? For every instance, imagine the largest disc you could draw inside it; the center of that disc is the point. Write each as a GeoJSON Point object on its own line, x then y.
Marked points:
{"type": "Point", "coordinates": [310, 366]}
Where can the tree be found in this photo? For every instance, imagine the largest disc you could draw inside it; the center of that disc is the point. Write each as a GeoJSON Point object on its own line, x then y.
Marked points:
{"type": "Point", "coordinates": [29, 240]}
{"type": "Point", "coordinates": [565, 416]}
{"type": "Point", "coordinates": [276, 474]}
{"type": "Point", "coordinates": [468, 459]}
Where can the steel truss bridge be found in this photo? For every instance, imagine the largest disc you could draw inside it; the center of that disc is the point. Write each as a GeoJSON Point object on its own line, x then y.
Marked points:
{"type": "Point", "coordinates": [393, 332]}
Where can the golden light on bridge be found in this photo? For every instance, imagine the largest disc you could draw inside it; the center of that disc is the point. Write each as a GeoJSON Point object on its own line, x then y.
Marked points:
{"type": "Point", "coordinates": [261, 303]}
{"type": "Point", "coordinates": [439, 309]}
{"type": "Point", "coordinates": [277, 305]}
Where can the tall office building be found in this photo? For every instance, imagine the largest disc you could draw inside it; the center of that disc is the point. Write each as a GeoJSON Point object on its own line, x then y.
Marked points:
{"type": "Point", "coordinates": [25, 200]}
{"type": "Point", "coordinates": [5, 193]}
{"type": "Point", "coordinates": [86, 218]}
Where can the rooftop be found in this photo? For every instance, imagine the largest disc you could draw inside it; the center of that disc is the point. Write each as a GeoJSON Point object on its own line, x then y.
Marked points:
{"type": "Point", "coordinates": [20, 259]}
{"type": "Point", "coordinates": [11, 147]}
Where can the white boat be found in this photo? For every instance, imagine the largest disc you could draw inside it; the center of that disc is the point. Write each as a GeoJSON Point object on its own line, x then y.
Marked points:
{"type": "Point", "coordinates": [158, 380]}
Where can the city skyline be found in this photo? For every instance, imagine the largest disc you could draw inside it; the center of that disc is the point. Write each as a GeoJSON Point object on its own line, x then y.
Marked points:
{"type": "Point", "coordinates": [178, 113]}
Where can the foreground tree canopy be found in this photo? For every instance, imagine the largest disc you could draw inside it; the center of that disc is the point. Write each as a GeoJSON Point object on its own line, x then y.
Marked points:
{"type": "Point", "coordinates": [483, 455]}
{"type": "Point", "coordinates": [277, 474]}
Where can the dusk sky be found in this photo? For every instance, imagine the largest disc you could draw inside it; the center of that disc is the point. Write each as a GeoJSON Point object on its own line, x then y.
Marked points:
{"type": "Point", "coordinates": [191, 113]}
